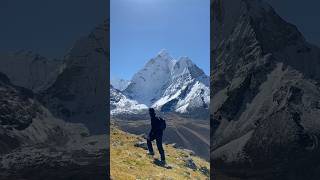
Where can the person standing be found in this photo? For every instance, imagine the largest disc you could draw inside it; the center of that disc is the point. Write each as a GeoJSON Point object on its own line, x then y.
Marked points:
{"type": "Point", "coordinates": [158, 125]}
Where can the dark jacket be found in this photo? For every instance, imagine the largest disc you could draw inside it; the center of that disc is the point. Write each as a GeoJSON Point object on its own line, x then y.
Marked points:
{"type": "Point", "coordinates": [156, 125]}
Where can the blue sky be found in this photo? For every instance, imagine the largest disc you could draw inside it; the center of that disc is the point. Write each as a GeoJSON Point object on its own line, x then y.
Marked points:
{"type": "Point", "coordinates": [303, 14]}
{"type": "Point", "coordinates": [141, 28]}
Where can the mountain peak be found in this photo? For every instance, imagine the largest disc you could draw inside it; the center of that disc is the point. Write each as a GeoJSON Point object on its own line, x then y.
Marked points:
{"type": "Point", "coordinates": [159, 83]}
{"type": "Point", "coordinates": [120, 84]}
{"type": "Point", "coordinates": [163, 53]}
{"type": "Point", "coordinates": [185, 66]}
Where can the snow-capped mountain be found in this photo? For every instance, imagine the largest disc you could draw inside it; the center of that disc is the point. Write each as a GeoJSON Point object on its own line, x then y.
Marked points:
{"type": "Point", "coordinates": [120, 84]}
{"type": "Point", "coordinates": [187, 89]}
{"type": "Point", "coordinates": [170, 85]}
{"type": "Point", "coordinates": [265, 94]}
{"type": "Point", "coordinates": [148, 84]}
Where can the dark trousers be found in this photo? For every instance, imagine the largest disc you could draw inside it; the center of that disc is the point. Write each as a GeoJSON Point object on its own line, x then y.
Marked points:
{"type": "Point", "coordinates": [158, 138]}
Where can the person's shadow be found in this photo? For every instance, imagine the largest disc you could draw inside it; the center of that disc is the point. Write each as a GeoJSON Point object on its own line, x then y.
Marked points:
{"type": "Point", "coordinates": [159, 163]}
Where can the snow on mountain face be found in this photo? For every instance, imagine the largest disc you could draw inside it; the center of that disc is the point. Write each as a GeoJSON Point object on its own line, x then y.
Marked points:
{"type": "Point", "coordinates": [30, 70]}
{"type": "Point", "coordinates": [187, 90]}
{"type": "Point", "coordinates": [148, 84]}
{"type": "Point", "coordinates": [170, 85]}
{"type": "Point", "coordinates": [120, 84]}
{"type": "Point", "coordinates": [120, 104]}
{"type": "Point", "coordinates": [265, 92]}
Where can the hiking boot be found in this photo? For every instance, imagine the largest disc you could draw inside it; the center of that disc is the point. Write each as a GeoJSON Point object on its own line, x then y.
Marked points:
{"type": "Point", "coordinates": [163, 162]}
{"type": "Point", "coordinates": [150, 153]}
{"type": "Point", "coordinates": [165, 165]}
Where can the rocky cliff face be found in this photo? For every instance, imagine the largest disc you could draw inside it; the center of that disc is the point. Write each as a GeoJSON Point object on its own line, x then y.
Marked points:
{"type": "Point", "coordinates": [265, 93]}
{"type": "Point", "coordinates": [79, 93]}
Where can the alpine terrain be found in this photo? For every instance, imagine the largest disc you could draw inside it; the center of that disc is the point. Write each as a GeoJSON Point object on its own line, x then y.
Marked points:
{"type": "Point", "coordinates": [53, 113]}
{"type": "Point", "coordinates": [79, 92]}
{"type": "Point", "coordinates": [265, 90]}
{"type": "Point", "coordinates": [128, 160]}
{"type": "Point", "coordinates": [168, 85]}
{"type": "Point", "coordinates": [179, 91]}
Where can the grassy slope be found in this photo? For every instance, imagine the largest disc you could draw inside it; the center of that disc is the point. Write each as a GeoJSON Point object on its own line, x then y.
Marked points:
{"type": "Point", "coordinates": [129, 162]}
{"type": "Point", "coordinates": [188, 133]}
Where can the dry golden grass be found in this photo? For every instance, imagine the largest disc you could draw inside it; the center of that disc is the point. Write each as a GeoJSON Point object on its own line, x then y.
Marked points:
{"type": "Point", "coordinates": [128, 162]}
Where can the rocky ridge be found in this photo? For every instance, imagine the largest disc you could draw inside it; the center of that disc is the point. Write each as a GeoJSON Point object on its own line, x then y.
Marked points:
{"type": "Point", "coordinates": [265, 94]}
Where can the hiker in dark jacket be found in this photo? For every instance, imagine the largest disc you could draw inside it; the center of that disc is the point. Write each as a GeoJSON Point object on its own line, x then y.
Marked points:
{"type": "Point", "coordinates": [157, 127]}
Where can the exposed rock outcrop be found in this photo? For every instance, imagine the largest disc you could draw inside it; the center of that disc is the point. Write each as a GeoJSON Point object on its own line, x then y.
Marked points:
{"type": "Point", "coordinates": [265, 90]}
